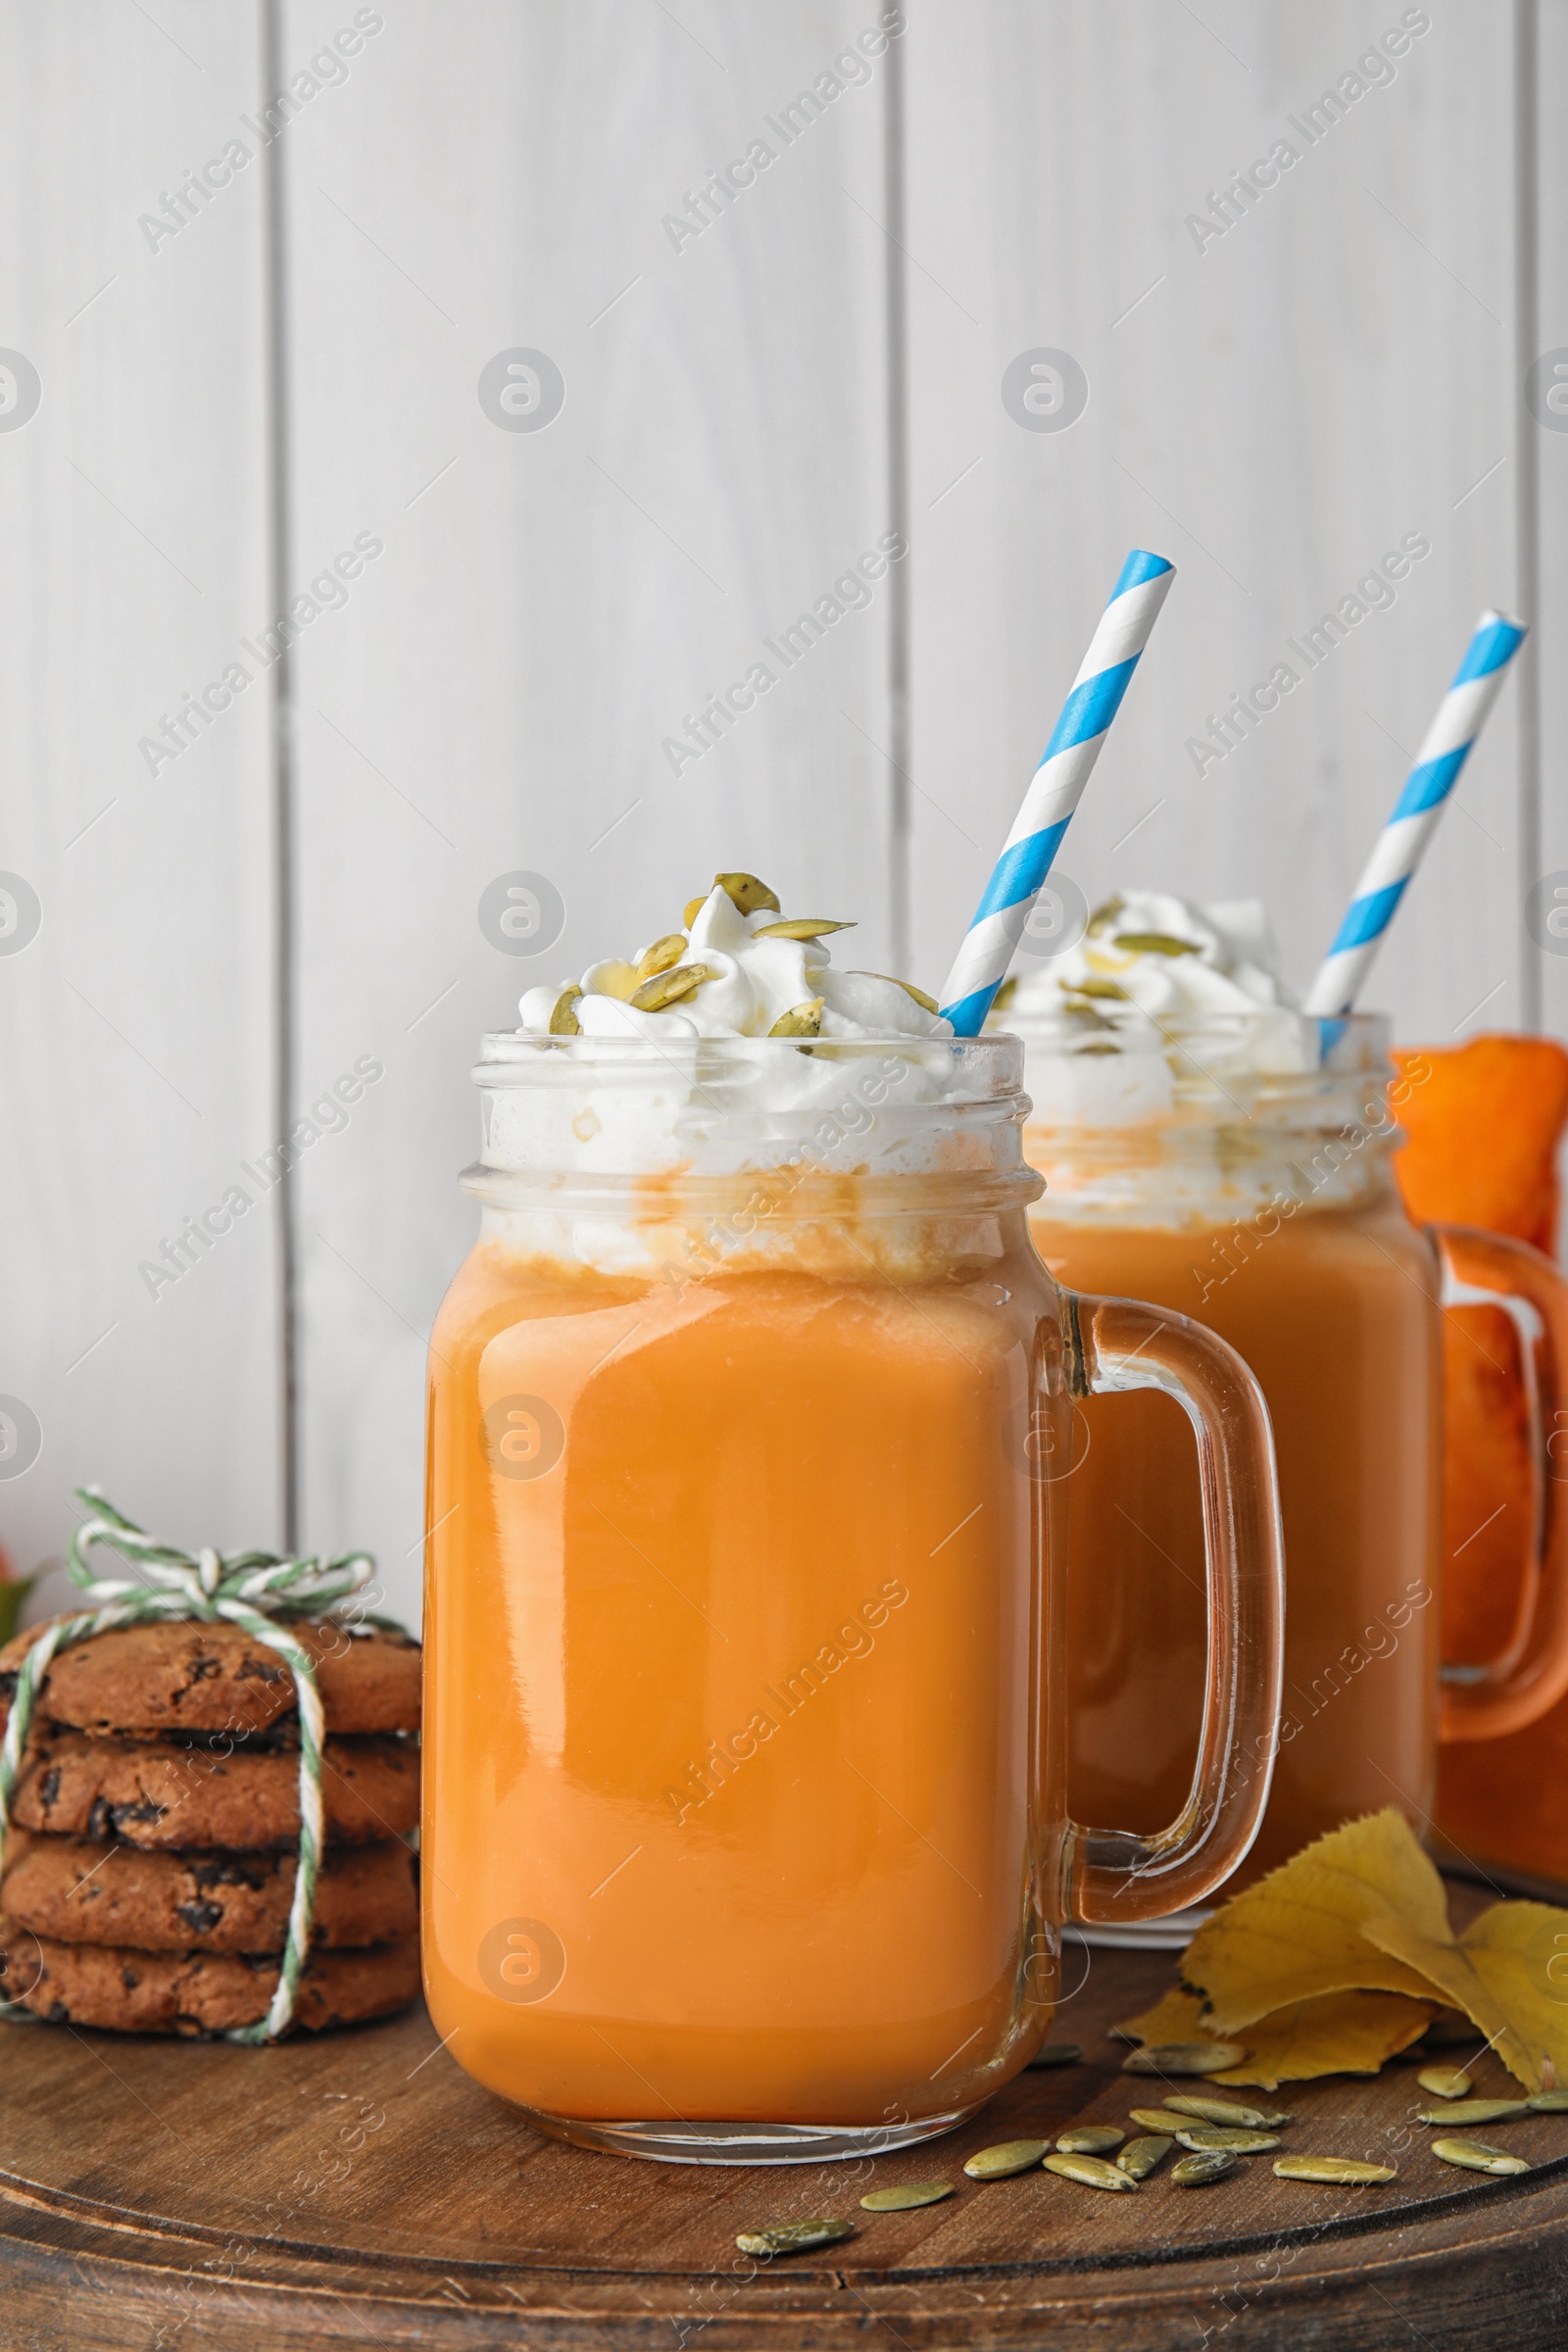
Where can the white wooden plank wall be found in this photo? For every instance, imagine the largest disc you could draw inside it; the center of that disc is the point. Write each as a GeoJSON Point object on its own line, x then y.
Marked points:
{"type": "Point", "coordinates": [519, 619]}
{"type": "Point", "coordinates": [1273, 412]}
{"type": "Point", "coordinates": [138, 1022]}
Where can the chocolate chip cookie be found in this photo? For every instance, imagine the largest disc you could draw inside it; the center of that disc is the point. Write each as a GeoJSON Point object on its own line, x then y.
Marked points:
{"type": "Point", "coordinates": [82, 1890]}
{"type": "Point", "coordinates": [197, 1992]}
{"type": "Point", "coordinates": [195, 1677]}
{"type": "Point", "coordinates": [161, 1793]}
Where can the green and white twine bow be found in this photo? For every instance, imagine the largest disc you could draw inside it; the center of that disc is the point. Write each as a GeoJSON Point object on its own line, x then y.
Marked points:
{"type": "Point", "coordinates": [252, 1590]}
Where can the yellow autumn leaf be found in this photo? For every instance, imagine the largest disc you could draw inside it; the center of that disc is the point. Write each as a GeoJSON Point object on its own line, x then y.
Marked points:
{"type": "Point", "coordinates": [1298, 1934]}
{"type": "Point", "coordinates": [1334, 2034]}
{"type": "Point", "coordinates": [1508, 1972]}
{"type": "Point", "coordinates": [1177, 2015]}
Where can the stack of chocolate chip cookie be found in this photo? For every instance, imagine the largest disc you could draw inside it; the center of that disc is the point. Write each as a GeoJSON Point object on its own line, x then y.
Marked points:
{"type": "Point", "coordinates": [151, 1856]}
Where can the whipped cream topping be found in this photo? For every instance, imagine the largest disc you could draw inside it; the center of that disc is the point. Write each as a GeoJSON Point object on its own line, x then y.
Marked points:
{"type": "Point", "coordinates": [729, 1046]}
{"type": "Point", "coordinates": [1145, 956]}
{"type": "Point", "coordinates": [1161, 999]}
{"type": "Point", "coordinates": [1172, 1077]}
{"type": "Point", "coordinates": [750, 982]}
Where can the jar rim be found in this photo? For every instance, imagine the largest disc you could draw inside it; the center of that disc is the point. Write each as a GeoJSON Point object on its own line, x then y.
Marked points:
{"type": "Point", "coordinates": [1340, 1042]}
{"type": "Point", "coordinates": [520, 1057]}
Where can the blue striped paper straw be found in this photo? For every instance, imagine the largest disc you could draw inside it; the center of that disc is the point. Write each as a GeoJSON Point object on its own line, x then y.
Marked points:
{"type": "Point", "coordinates": [1401, 846]}
{"type": "Point", "coordinates": [1056, 788]}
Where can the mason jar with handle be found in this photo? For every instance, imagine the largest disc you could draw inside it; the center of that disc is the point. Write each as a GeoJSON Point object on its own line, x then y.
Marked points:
{"type": "Point", "coordinates": [752, 1418]}
{"type": "Point", "coordinates": [1237, 1166]}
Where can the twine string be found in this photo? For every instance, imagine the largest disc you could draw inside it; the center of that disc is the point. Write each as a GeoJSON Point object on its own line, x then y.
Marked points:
{"type": "Point", "coordinates": [252, 1590]}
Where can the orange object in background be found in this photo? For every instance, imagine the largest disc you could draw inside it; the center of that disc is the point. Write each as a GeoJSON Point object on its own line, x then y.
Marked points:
{"type": "Point", "coordinates": [1484, 1130]}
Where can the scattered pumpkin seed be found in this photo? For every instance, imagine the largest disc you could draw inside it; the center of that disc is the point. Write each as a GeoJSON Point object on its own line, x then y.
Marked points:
{"type": "Point", "coordinates": [1197, 2172]}
{"type": "Point", "coordinates": [1090, 2172]}
{"type": "Point", "coordinates": [802, 1020]}
{"type": "Point", "coordinates": [1475, 2111]}
{"type": "Point", "coordinates": [1089, 2139]}
{"type": "Point", "coordinates": [1140, 2157]}
{"type": "Point", "coordinates": [799, 926]}
{"type": "Point", "coordinates": [918, 993]}
{"type": "Point", "coordinates": [746, 894]}
{"type": "Point", "coordinates": [1548, 2102]}
{"type": "Point", "coordinates": [1204, 2138]}
{"type": "Point", "coordinates": [1105, 915]}
{"type": "Point", "coordinates": [1159, 2119]}
{"type": "Point", "coordinates": [1010, 2156]}
{"type": "Point", "coordinates": [1474, 2156]}
{"type": "Point", "coordinates": [1155, 943]}
{"type": "Point", "coordinates": [691, 910]}
{"type": "Point", "coordinates": [1184, 2058]}
{"type": "Point", "coordinates": [1099, 988]}
{"type": "Point", "coordinates": [1343, 2172]}
{"type": "Point", "coordinates": [563, 1021]}
{"type": "Point", "coordinates": [661, 955]}
{"type": "Point", "coordinates": [1058, 2053]}
{"type": "Point", "coordinates": [793, 2238]}
{"type": "Point", "coordinates": [1227, 2111]}
{"type": "Point", "coordinates": [906, 2198]}
{"type": "Point", "coordinates": [1445, 2081]}
{"type": "Point", "coordinates": [668, 986]}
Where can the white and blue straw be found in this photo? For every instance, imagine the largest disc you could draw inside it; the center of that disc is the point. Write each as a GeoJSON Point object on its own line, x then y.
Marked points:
{"type": "Point", "coordinates": [1401, 846]}
{"type": "Point", "coordinates": [1058, 786]}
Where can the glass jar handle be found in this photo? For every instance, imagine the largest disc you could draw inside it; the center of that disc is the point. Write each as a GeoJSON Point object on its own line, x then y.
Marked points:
{"type": "Point", "coordinates": [1114, 1344]}
{"type": "Point", "coordinates": [1487, 1269]}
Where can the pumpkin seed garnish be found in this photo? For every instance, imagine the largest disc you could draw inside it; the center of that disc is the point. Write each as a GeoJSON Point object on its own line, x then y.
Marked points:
{"type": "Point", "coordinates": [1058, 2053]}
{"type": "Point", "coordinates": [663, 956]}
{"type": "Point", "coordinates": [1445, 2081]}
{"type": "Point", "coordinates": [1004, 996]}
{"type": "Point", "coordinates": [1159, 2119]}
{"type": "Point", "coordinates": [691, 910]}
{"type": "Point", "coordinates": [1185, 2058]}
{"type": "Point", "coordinates": [1140, 2157]}
{"type": "Point", "coordinates": [1155, 943]}
{"type": "Point", "coordinates": [1204, 2138]}
{"type": "Point", "coordinates": [904, 2199]}
{"type": "Point", "coordinates": [802, 1020]}
{"type": "Point", "coordinates": [1105, 915]}
{"type": "Point", "coordinates": [1098, 988]}
{"type": "Point", "coordinates": [1344, 2171]}
{"type": "Point", "coordinates": [1090, 2172]}
{"type": "Point", "coordinates": [1089, 2139]}
{"type": "Point", "coordinates": [1474, 2156]}
{"type": "Point", "coordinates": [1548, 2102]}
{"type": "Point", "coordinates": [1475, 2111]}
{"type": "Point", "coordinates": [918, 993]}
{"type": "Point", "coordinates": [799, 926]}
{"type": "Point", "coordinates": [1010, 2156]}
{"type": "Point", "coordinates": [746, 894]}
{"type": "Point", "coordinates": [1197, 2172]}
{"type": "Point", "coordinates": [793, 2237]}
{"type": "Point", "coordinates": [563, 1021]}
{"type": "Point", "coordinates": [1227, 2111]}
{"type": "Point", "coordinates": [668, 986]}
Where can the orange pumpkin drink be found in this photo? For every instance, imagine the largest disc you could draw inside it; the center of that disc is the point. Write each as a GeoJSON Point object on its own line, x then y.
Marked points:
{"type": "Point", "coordinates": [746, 1835]}
{"type": "Point", "coordinates": [1211, 1150]}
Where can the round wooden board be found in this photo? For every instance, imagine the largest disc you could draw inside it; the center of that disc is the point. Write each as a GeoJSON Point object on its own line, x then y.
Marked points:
{"type": "Point", "coordinates": [361, 2189]}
